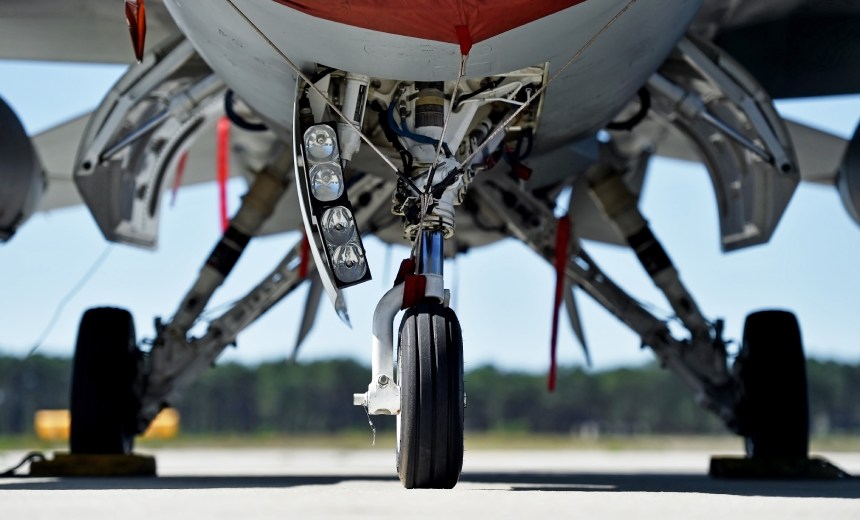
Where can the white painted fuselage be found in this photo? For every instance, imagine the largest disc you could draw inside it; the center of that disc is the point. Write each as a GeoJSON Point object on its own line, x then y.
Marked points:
{"type": "Point", "coordinates": [587, 94]}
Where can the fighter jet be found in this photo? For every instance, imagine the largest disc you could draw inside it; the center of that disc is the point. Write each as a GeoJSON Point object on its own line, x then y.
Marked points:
{"type": "Point", "coordinates": [445, 125]}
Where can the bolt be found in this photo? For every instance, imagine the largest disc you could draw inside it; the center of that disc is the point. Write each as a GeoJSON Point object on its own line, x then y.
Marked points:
{"type": "Point", "coordinates": [383, 381]}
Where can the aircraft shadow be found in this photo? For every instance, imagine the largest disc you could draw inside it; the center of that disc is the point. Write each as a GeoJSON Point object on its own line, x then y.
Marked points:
{"type": "Point", "coordinates": [668, 483]}
{"type": "Point", "coordinates": [189, 482]}
{"type": "Point", "coordinates": [509, 481]}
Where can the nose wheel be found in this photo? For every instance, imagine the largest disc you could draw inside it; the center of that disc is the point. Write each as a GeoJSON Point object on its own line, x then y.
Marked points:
{"type": "Point", "coordinates": [430, 375]}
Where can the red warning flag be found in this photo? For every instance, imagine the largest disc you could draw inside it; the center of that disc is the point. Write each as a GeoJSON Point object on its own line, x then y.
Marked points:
{"type": "Point", "coordinates": [562, 241]}
{"type": "Point", "coordinates": [135, 16]}
{"type": "Point", "coordinates": [222, 162]}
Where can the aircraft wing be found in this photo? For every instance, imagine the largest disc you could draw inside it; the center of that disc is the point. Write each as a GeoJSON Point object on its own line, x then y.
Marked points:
{"type": "Point", "coordinates": [56, 148]}
{"type": "Point", "coordinates": [75, 30]}
{"type": "Point", "coordinates": [794, 48]}
{"type": "Point", "coordinates": [819, 154]}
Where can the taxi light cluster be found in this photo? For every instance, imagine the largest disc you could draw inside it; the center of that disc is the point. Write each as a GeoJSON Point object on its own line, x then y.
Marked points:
{"type": "Point", "coordinates": [331, 208]}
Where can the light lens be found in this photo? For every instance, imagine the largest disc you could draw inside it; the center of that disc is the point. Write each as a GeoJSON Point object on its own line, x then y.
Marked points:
{"type": "Point", "coordinates": [349, 262]}
{"type": "Point", "coordinates": [321, 143]}
{"type": "Point", "coordinates": [326, 182]}
{"type": "Point", "coordinates": [338, 226]}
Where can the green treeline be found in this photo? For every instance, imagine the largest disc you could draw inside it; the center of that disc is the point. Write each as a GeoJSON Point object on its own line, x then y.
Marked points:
{"type": "Point", "coordinates": [27, 386]}
{"type": "Point", "coordinates": [317, 397]}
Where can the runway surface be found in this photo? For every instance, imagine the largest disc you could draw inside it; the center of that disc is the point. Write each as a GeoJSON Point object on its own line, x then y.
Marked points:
{"type": "Point", "coordinates": [315, 483]}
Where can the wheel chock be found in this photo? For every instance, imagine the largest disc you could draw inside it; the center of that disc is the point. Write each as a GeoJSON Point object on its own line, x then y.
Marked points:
{"type": "Point", "coordinates": [77, 465]}
{"type": "Point", "coordinates": [811, 468]}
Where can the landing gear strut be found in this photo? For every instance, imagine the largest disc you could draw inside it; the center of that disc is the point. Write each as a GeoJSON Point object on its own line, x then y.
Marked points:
{"type": "Point", "coordinates": [763, 399]}
{"type": "Point", "coordinates": [773, 405]}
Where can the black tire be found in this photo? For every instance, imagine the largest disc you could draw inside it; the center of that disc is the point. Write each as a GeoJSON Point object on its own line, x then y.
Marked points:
{"type": "Point", "coordinates": [105, 384]}
{"type": "Point", "coordinates": [774, 404]}
{"type": "Point", "coordinates": [430, 375]}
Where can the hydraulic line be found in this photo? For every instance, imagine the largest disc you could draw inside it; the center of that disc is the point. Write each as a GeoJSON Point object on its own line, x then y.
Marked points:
{"type": "Point", "coordinates": [236, 119]}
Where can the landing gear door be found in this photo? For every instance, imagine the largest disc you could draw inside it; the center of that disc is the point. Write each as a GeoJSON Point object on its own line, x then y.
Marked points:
{"type": "Point", "coordinates": [312, 231]}
{"type": "Point", "coordinates": [136, 139]}
{"type": "Point", "coordinates": [741, 138]}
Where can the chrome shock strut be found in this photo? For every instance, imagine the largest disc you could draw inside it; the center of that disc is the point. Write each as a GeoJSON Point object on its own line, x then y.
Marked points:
{"type": "Point", "coordinates": [430, 262]}
{"type": "Point", "coordinates": [431, 252]}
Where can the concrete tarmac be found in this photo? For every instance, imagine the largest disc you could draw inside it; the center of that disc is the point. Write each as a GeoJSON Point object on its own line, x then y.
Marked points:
{"type": "Point", "coordinates": [318, 483]}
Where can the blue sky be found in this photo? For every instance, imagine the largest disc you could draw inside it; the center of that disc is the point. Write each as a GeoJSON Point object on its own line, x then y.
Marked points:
{"type": "Point", "coordinates": [503, 292]}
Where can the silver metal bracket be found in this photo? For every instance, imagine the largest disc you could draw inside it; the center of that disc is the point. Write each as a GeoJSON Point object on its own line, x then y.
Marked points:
{"type": "Point", "coordinates": [383, 394]}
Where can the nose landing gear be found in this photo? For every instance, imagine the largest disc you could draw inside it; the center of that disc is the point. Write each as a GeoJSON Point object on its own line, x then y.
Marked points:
{"type": "Point", "coordinates": [428, 395]}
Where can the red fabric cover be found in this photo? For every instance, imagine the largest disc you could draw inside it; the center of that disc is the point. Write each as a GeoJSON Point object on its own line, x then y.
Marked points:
{"type": "Point", "coordinates": [433, 19]}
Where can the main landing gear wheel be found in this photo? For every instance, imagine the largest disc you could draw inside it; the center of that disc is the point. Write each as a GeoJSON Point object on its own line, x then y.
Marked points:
{"type": "Point", "coordinates": [105, 384]}
{"type": "Point", "coordinates": [430, 375]}
{"type": "Point", "coordinates": [771, 367]}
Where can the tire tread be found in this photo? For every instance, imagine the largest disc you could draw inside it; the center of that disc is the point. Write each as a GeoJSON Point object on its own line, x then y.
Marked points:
{"type": "Point", "coordinates": [431, 346]}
